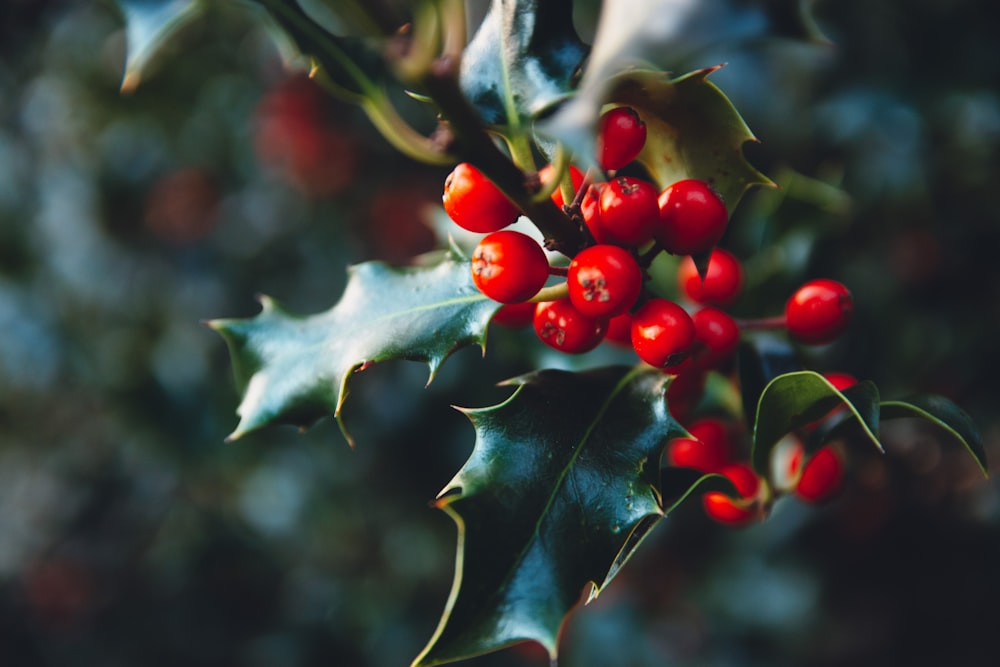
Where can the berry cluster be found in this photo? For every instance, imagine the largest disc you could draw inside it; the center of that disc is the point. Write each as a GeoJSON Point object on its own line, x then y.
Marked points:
{"type": "Point", "coordinates": [608, 295]}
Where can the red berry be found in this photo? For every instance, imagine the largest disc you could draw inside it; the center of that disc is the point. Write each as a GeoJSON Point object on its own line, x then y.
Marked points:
{"type": "Point", "coordinates": [723, 280]}
{"type": "Point", "coordinates": [735, 512]}
{"type": "Point", "coordinates": [822, 476]}
{"type": "Point", "coordinates": [628, 211]}
{"type": "Point", "coordinates": [509, 266]}
{"type": "Point", "coordinates": [604, 281]}
{"type": "Point", "coordinates": [716, 338]}
{"type": "Point", "coordinates": [515, 315]}
{"type": "Point", "coordinates": [840, 381]}
{"type": "Point", "coordinates": [692, 218]}
{"type": "Point", "coordinates": [621, 134]}
{"type": "Point", "coordinates": [708, 449]}
{"type": "Point", "coordinates": [620, 330]}
{"type": "Point", "coordinates": [560, 325]}
{"type": "Point", "coordinates": [474, 203]}
{"type": "Point", "coordinates": [685, 391]}
{"type": "Point", "coordinates": [662, 333]}
{"type": "Point", "coordinates": [546, 173]}
{"type": "Point", "coordinates": [590, 209]}
{"type": "Point", "coordinates": [819, 311]}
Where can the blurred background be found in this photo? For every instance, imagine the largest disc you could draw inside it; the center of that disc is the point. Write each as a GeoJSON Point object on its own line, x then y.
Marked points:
{"type": "Point", "coordinates": [132, 534]}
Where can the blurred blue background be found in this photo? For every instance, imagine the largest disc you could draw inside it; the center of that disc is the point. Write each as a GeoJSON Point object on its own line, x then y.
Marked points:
{"type": "Point", "coordinates": [132, 534]}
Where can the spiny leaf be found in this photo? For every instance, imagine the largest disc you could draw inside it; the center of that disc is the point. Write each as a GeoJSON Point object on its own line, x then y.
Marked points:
{"type": "Point", "coordinates": [561, 487]}
{"type": "Point", "coordinates": [525, 55]}
{"type": "Point", "coordinates": [945, 414]}
{"type": "Point", "coordinates": [692, 129]}
{"type": "Point", "coordinates": [794, 399]}
{"type": "Point", "coordinates": [148, 25]}
{"type": "Point", "coordinates": [296, 369]}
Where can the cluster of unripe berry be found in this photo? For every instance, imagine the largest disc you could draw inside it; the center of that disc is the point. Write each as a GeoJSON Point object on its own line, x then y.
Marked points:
{"type": "Point", "coordinates": [629, 221]}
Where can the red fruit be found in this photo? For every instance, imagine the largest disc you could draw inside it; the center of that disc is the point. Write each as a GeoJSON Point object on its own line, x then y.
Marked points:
{"type": "Point", "coordinates": [546, 173]}
{"type": "Point", "coordinates": [723, 280]}
{"type": "Point", "coordinates": [662, 333]}
{"type": "Point", "coordinates": [621, 134]}
{"type": "Point", "coordinates": [735, 512]}
{"type": "Point", "coordinates": [716, 338]}
{"type": "Point", "coordinates": [509, 266]}
{"type": "Point", "coordinates": [840, 381]}
{"type": "Point", "coordinates": [474, 203]}
{"type": "Point", "coordinates": [692, 218]}
{"type": "Point", "coordinates": [685, 391]}
{"type": "Point", "coordinates": [560, 325]}
{"type": "Point", "coordinates": [620, 330]}
{"type": "Point", "coordinates": [515, 315]}
{"type": "Point", "coordinates": [603, 281]}
{"type": "Point", "coordinates": [590, 209]}
{"type": "Point", "coordinates": [628, 211]}
{"type": "Point", "coordinates": [822, 476]}
{"type": "Point", "coordinates": [819, 311]}
{"type": "Point", "coordinates": [708, 450]}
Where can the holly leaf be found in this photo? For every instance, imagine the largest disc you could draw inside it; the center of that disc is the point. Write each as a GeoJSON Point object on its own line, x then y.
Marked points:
{"type": "Point", "coordinates": [795, 399]}
{"type": "Point", "coordinates": [148, 25]}
{"type": "Point", "coordinates": [292, 369]}
{"type": "Point", "coordinates": [561, 487]}
{"type": "Point", "coordinates": [524, 56]}
{"type": "Point", "coordinates": [692, 130]}
{"type": "Point", "coordinates": [945, 414]}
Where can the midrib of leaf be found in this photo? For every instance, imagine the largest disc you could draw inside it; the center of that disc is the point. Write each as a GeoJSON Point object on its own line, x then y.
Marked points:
{"type": "Point", "coordinates": [472, 298]}
{"type": "Point", "coordinates": [566, 469]}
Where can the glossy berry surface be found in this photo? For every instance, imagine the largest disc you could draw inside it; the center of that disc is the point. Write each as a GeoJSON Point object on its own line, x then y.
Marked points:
{"type": "Point", "coordinates": [692, 218]}
{"type": "Point", "coordinates": [561, 326]}
{"type": "Point", "coordinates": [474, 203]}
{"type": "Point", "coordinates": [590, 209]}
{"type": "Point", "coordinates": [509, 266]}
{"type": "Point", "coordinates": [730, 511]}
{"type": "Point", "coordinates": [708, 450]}
{"type": "Point", "coordinates": [547, 173]}
{"type": "Point", "coordinates": [628, 211]}
{"type": "Point", "coordinates": [620, 330]}
{"type": "Point", "coordinates": [603, 281]}
{"type": "Point", "coordinates": [722, 284]}
{"type": "Point", "coordinates": [819, 311]}
{"type": "Point", "coordinates": [716, 338]}
{"type": "Point", "coordinates": [662, 333]}
{"type": "Point", "coordinates": [822, 476]}
{"type": "Point", "coordinates": [621, 134]}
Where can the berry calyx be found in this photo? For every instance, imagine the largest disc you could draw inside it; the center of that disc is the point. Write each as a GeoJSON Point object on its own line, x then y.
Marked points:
{"type": "Point", "coordinates": [603, 281]}
{"type": "Point", "coordinates": [722, 284]}
{"type": "Point", "coordinates": [662, 333]}
{"type": "Point", "coordinates": [561, 326]}
{"type": "Point", "coordinates": [822, 476]}
{"type": "Point", "coordinates": [692, 218]}
{"type": "Point", "coordinates": [509, 266]}
{"type": "Point", "coordinates": [736, 512]}
{"type": "Point", "coordinates": [474, 203]}
{"type": "Point", "coordinates": [819, 311]}
{"type": "Point", "coordinates": [621, 134]}
{"type": "Point", "coordinates": [628, 211]}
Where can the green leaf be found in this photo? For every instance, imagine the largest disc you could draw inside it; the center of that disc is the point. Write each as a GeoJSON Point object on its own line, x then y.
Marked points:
{"type": "Point", "coordinates": [560, 489]}
{"type": "Point", "coordinates": [945, 414]}
{"type": "Point", "coordinates": [692, 129]}
{"type": "Point", "coordinates": [760, 360]}
{"type": "Point", "coordinates": [295, 370]}
{"type": "Point", "coordinates": [794, 399]}
{"type": "Point", "coordinates": [148, 25]}
{"type": "Point", "coordinates": [525, 55]}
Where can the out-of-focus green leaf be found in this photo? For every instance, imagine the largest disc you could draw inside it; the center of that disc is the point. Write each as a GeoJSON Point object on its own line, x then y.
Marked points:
{"type": "Point", "coordinates": [560, 489]}
{"type": "Point", "coordinates": [795, 399]}
{"type": "Point", "coordinates": [760, 360]}
{"type": "Point", "coordinates": [692, 130]}
{"type": "Point", "coordinates": [943, 413]}
{"type": "Point", "coordinates": [148, 25]}
{"type": "Point", "coordinates": [295, 370]}
{"type": "Point", "coordinates": [525, 55]}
